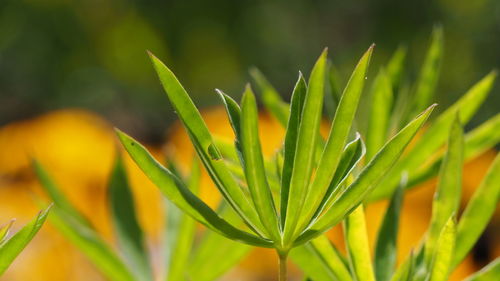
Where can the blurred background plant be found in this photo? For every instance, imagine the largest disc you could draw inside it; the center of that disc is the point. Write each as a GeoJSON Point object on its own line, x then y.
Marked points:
{"type": "Point", "coordinates": [90, 54]}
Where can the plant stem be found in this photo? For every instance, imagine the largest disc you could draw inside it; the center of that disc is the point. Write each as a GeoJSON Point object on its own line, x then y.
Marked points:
{"type": "Point", "coordinates": [283, 256]}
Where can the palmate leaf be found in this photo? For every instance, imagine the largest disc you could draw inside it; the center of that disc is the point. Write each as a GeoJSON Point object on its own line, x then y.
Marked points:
{"type": "Point", "coordinates": [488, 273]}
{"type": "Point", "coordinates": [357, 245]}
{"type": "Point", "coordinates": [321, 261]}
{"type": "Point", "coordinates": [254, 166]}
{"type": "Point", "coordinates": [367, 179]}
{"type": "Point", "coordinates": [303, 161]}
{"type": "Point", "coordinates": [339, 132]}
{"type": "Point", "coordinates": [448, 192]}
{"type": "Point", "coordinates": [128, 231]}
{"type": "Point", "coordinates": [436, 135]}
{"type": "Point", "coordinates": [182, 234]}
{"type": "Point", "coordinates": [205, 146]}
{"type": "Point", "coordinates": [11, 247]}
{"type": "Point", "coordinates": [179, 194]}
{"type": "Point", "coordinates": [478, 212]}
{"type": "Point", "coordinates": [385, 248]}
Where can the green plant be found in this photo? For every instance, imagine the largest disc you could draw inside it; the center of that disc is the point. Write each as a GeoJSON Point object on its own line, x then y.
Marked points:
{"type": "Point", "coordinates": [184, 256]}
{"type": "Point", "coordinates": [312, 184]}
{"type": "Point", "coordinates": [11, 247]}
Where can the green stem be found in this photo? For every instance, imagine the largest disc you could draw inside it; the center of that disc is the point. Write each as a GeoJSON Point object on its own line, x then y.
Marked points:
{"type": "Point", "coordinates": [283, 265]}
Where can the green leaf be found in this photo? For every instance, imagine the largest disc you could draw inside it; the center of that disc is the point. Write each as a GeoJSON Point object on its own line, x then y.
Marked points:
{"type": "Point", "coordinates": [351, 157]}
{"type": "Point", "coordinates": [385, 249]}
{"type": "Point", "coordinates": [378, 121]}
{"type": "Point", "coordinates": [448, 192]}
{"type": "Point", "coordinates": [91, 245]}
{"type": "Point", "coordinates": [270, 97]}
{"type": "Point", "coordinates": [254, 166]}
{"type": "Point", "coordinates": [405, 270]}
{"type": "Point", "coordinates": [11, 248]}
{"type": "Point", "coordinates": [395, 66]}
{"type": "Point", "coordinates": [367, 180]}
{"type": "Point", "coordinates": [174, 190]}
{"type": "Point", "coordinates": [55, 194]}
{"type": "Point", "coordinates": [183, 235]}
{"type": "Point", "coordinates": [429, 74]}
{"type": "Point", "coordinates": [339, 132]}
{"type": "Point", "coordinates": [5, 230]}
{"type": "Point", "coordinates": [233, 112]}
{"type": "Point", "coordinates": [358, 246]}
{"type": "Point", "coordinates": [290, 146]}
{"type": "Point", "coordinates": [205, 147]}
{"type": "Point", "coordinates": [488, 273]}
{"type": "Point", "coordinates": [477, 141]}
{"type": "Point", "coordinates": [216, 254]}
{"type": "Point", "coordinates": [478, 212]}
{"type": "Point", "coordinates": [321, 261]}
{"type": "Point", "coordinates": [128, 232]}
{"type": "Point", "coordinates": [436, 135]}
{"type": "Point", "coordinates": [306, 144]}
{"type": "Point", "coordinates": [441, 261]}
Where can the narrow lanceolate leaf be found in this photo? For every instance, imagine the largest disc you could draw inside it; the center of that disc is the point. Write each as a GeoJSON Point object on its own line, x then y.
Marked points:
{"type": "Point", "coordinates": [55, 194]}
{"type": "Point", "coordinates": [306, 144]}
{"type": "Point", "coordinates": [368, 179]}
{"type": "Point", "coordinates": [395, 66]}
{"type": "Point", "coordinates": [233, 112]}
{"type": "Point", "coordinates": [436, 135]}
{"type": "Point", "coordinates": [184, 236]}
{"type": "Point", "coordinates": [321, 261]}
{"type": "Point", "coordinates": [129, 234]}
{"type": "Point", "coordinates": [357, 245]}
{"type": "Point", "coordinates": [254, 166]}
{"type": "Point", "coordinates": [488, 273]}
{"type": "Point", "coordinates": [385, 249]}
{"type": "Point", "coordinates": [429, 74]}
{"type": "Point", "coordinates": [477, 141]}
{"type": "Point", "coordinates": [292, 130]}
{"type": "Point", "coordinates": [204, 145]}
{"type": "Point", "coordinates": [11, 248]}
{"type": "Point", "coordinates": [478, 212]}
{"type": "Point", "coordinates": [216, 254]}
{"type": "Point", "coordinates": [447, 197]}
{"type": "Point", "coordinates": [378, 121]}
{"type": "Point", "coordinates": [270, 97]}
{"type": "Point", "coordinates": [5, 230]}
{"type": "Point", "coordinates": [351, 156]}
{"type": "Point", "coordinates": [337, 139]}
{"type": "Point", "coordinates": [441, 261]}
{"type": "Point", "coordinates": [405, 270]}
{"type": "Point", "coordinates": [175, 190]}
{"type": "Point", "coordinates": [91, 245]}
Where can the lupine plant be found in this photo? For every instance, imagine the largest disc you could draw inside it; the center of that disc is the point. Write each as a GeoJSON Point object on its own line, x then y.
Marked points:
{"type": "Point", "coordinates": [12, 246]}
{"type": "Point", "coordinates": [184, 257]}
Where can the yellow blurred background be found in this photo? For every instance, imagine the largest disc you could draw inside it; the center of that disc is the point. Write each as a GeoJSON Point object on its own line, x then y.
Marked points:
{"type": "Point", "coordinates": [78, 148]}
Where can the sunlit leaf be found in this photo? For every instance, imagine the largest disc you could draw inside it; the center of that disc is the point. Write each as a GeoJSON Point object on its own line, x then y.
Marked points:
{"type": "Point", "coordinates": [175, 190]}
{"type": "Point", "coordinates": [358, 246]}
{"type": "Point", "coordinates": [128, 231]}
{"type": "Point", "coordinates": [339, 132]}
{"type": "Point", "coordinates": [478, 212]}
{"type": "Point", "coordinates": [441, 260]}
{"type": "Point", "coordinates": [11, 247]}
{"type": "Point", "coordinates": [488, 273]}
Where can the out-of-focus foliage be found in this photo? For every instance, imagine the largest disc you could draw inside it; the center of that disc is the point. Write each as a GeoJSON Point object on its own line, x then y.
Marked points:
{"type": "Point", "coordinates": [91, 53]}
